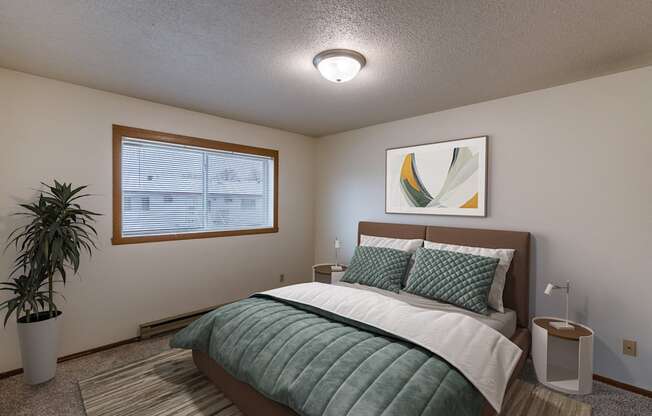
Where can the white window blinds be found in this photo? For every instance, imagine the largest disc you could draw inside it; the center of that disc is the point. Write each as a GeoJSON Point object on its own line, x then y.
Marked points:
{"type": "Point", "coordinates": [175, 189]}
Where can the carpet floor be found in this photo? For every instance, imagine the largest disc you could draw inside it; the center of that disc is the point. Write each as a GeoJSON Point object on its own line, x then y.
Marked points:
{"type": "Point", "coordinates": [61, 396]}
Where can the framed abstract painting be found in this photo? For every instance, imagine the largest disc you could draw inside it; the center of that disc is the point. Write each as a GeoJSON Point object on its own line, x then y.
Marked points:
{"type": "Point", "coordinates": [444, 178]}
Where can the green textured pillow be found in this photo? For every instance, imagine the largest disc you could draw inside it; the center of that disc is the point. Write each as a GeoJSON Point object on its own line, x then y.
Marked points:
{"type": "Point", "coordinates": [458, 278]}
{"type": "Point", "coordinates": [380, 267]}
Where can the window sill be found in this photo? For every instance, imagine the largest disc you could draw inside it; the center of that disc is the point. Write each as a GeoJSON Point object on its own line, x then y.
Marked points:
{"type": "Point", "coordinates": [190, 236]}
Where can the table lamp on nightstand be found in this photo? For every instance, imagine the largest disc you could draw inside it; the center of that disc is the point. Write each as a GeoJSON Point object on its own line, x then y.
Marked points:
{"type": "Point", "coordinates": [336, 267]}
{"type": "Point", "coordinates": [560, 325]}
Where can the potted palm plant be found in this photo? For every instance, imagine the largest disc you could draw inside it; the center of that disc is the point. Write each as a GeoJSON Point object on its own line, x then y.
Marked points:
{"type": "Point", "coordinates": [49, 246]}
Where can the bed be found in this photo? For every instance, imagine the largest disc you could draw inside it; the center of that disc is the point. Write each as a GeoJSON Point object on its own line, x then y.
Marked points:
{"type": "Point", "coordinates": [332, 307]}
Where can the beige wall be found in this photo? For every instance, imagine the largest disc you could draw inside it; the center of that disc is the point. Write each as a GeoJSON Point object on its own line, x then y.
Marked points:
{"type": "Point", "coordinates": [50, 129]}
{"type": "Point", "coordinates": [571, 164]}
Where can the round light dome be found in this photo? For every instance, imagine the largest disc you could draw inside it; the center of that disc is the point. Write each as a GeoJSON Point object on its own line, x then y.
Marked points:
{"type": "Point", "coordinates": [339, 65]}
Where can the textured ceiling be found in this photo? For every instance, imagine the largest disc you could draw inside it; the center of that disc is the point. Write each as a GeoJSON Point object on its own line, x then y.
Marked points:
{"type": "Point", "coordinates": [252, 60]}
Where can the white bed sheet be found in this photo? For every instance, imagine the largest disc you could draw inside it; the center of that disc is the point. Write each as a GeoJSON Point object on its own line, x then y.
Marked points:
{"type": "Point", "coordinates": [505, 323]}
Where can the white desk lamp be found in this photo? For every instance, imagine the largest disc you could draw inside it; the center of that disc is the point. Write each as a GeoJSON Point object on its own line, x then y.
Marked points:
{"type": "Point", "coordinates": [336, 267]}
{"type": "Point", "coordinates": [560, 325]}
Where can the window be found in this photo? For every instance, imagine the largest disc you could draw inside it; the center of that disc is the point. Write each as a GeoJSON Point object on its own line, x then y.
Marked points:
{"type": "Point", "coordinates": [144, 201]}
{"type": "Point", "coordinates": [248, 203]}
{"type": "Point", "coordinates": [170, 187]}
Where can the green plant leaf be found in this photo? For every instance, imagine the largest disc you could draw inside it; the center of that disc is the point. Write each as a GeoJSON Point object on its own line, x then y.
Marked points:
{"type": "Point", "coordinates": [50, 244]}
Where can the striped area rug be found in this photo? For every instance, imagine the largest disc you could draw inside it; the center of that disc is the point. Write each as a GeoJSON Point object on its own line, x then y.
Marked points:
{"type": "Point", "coordinates": [525, 399]}
{"type": "Point", "coordinates": [169, 384]}
{"type": "Point", "coordinates": [162, 385]}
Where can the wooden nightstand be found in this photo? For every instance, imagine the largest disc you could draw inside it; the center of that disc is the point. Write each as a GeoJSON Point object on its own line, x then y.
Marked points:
{"type": "Point", "coordinates": [322, 273]}
{"type": "Point", "coordinates": [563, 359]}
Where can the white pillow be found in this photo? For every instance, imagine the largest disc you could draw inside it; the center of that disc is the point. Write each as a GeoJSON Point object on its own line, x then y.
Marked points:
{"type": "Point", "coordinates": [396, 243]}
{"type": "Point", "coordinates": [504, 256]}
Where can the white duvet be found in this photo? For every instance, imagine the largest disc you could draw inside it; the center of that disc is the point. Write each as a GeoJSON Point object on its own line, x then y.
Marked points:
{"type": "Point", "coordinates": [483, 355]}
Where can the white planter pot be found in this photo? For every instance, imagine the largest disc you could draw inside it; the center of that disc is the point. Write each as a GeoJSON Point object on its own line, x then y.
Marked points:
{"type": "Point", "coordinates": [39, 347]}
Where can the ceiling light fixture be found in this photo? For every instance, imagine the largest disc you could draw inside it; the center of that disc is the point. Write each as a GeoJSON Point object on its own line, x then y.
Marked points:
{"type": "Point", "coordinates": [339, 65]}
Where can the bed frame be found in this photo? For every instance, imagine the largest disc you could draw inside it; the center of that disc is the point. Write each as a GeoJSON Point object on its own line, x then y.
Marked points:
{"type": "Point", "coordinates": [515, 296]}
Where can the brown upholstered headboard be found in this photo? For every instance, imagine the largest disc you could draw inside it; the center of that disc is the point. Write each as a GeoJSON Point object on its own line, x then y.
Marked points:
{"type": "Point", "coordinates": [517, 286]}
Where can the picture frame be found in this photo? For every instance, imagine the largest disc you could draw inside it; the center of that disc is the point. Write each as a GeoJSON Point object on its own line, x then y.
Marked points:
{"type": "Point", "coordinates": [441, 178]}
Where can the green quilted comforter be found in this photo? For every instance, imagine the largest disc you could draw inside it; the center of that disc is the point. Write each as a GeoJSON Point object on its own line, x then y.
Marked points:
{"type": "Point", "coordinates": [319, 364]}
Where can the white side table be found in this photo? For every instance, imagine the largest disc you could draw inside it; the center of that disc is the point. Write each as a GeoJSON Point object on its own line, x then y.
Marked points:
{"type": "Point", "coordinates": [563, 359]}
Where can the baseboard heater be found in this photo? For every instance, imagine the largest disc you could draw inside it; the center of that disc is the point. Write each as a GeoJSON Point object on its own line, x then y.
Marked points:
{"type": "Point", "coordinates": [173, 323]}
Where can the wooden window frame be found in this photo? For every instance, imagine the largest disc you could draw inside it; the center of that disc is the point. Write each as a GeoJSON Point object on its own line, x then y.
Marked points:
{"type": "Point", "coordinates": [123, 131]}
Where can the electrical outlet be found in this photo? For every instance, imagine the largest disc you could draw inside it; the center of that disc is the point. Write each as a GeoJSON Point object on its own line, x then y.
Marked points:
{"type": "Point", "coordinates": [281, 278]}
{"type": "Point", "coordinates": [629, 347]}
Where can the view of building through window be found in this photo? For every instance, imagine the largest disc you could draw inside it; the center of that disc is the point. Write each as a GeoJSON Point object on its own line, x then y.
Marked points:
{"type": "Point", "coordinates": [170, 189]}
